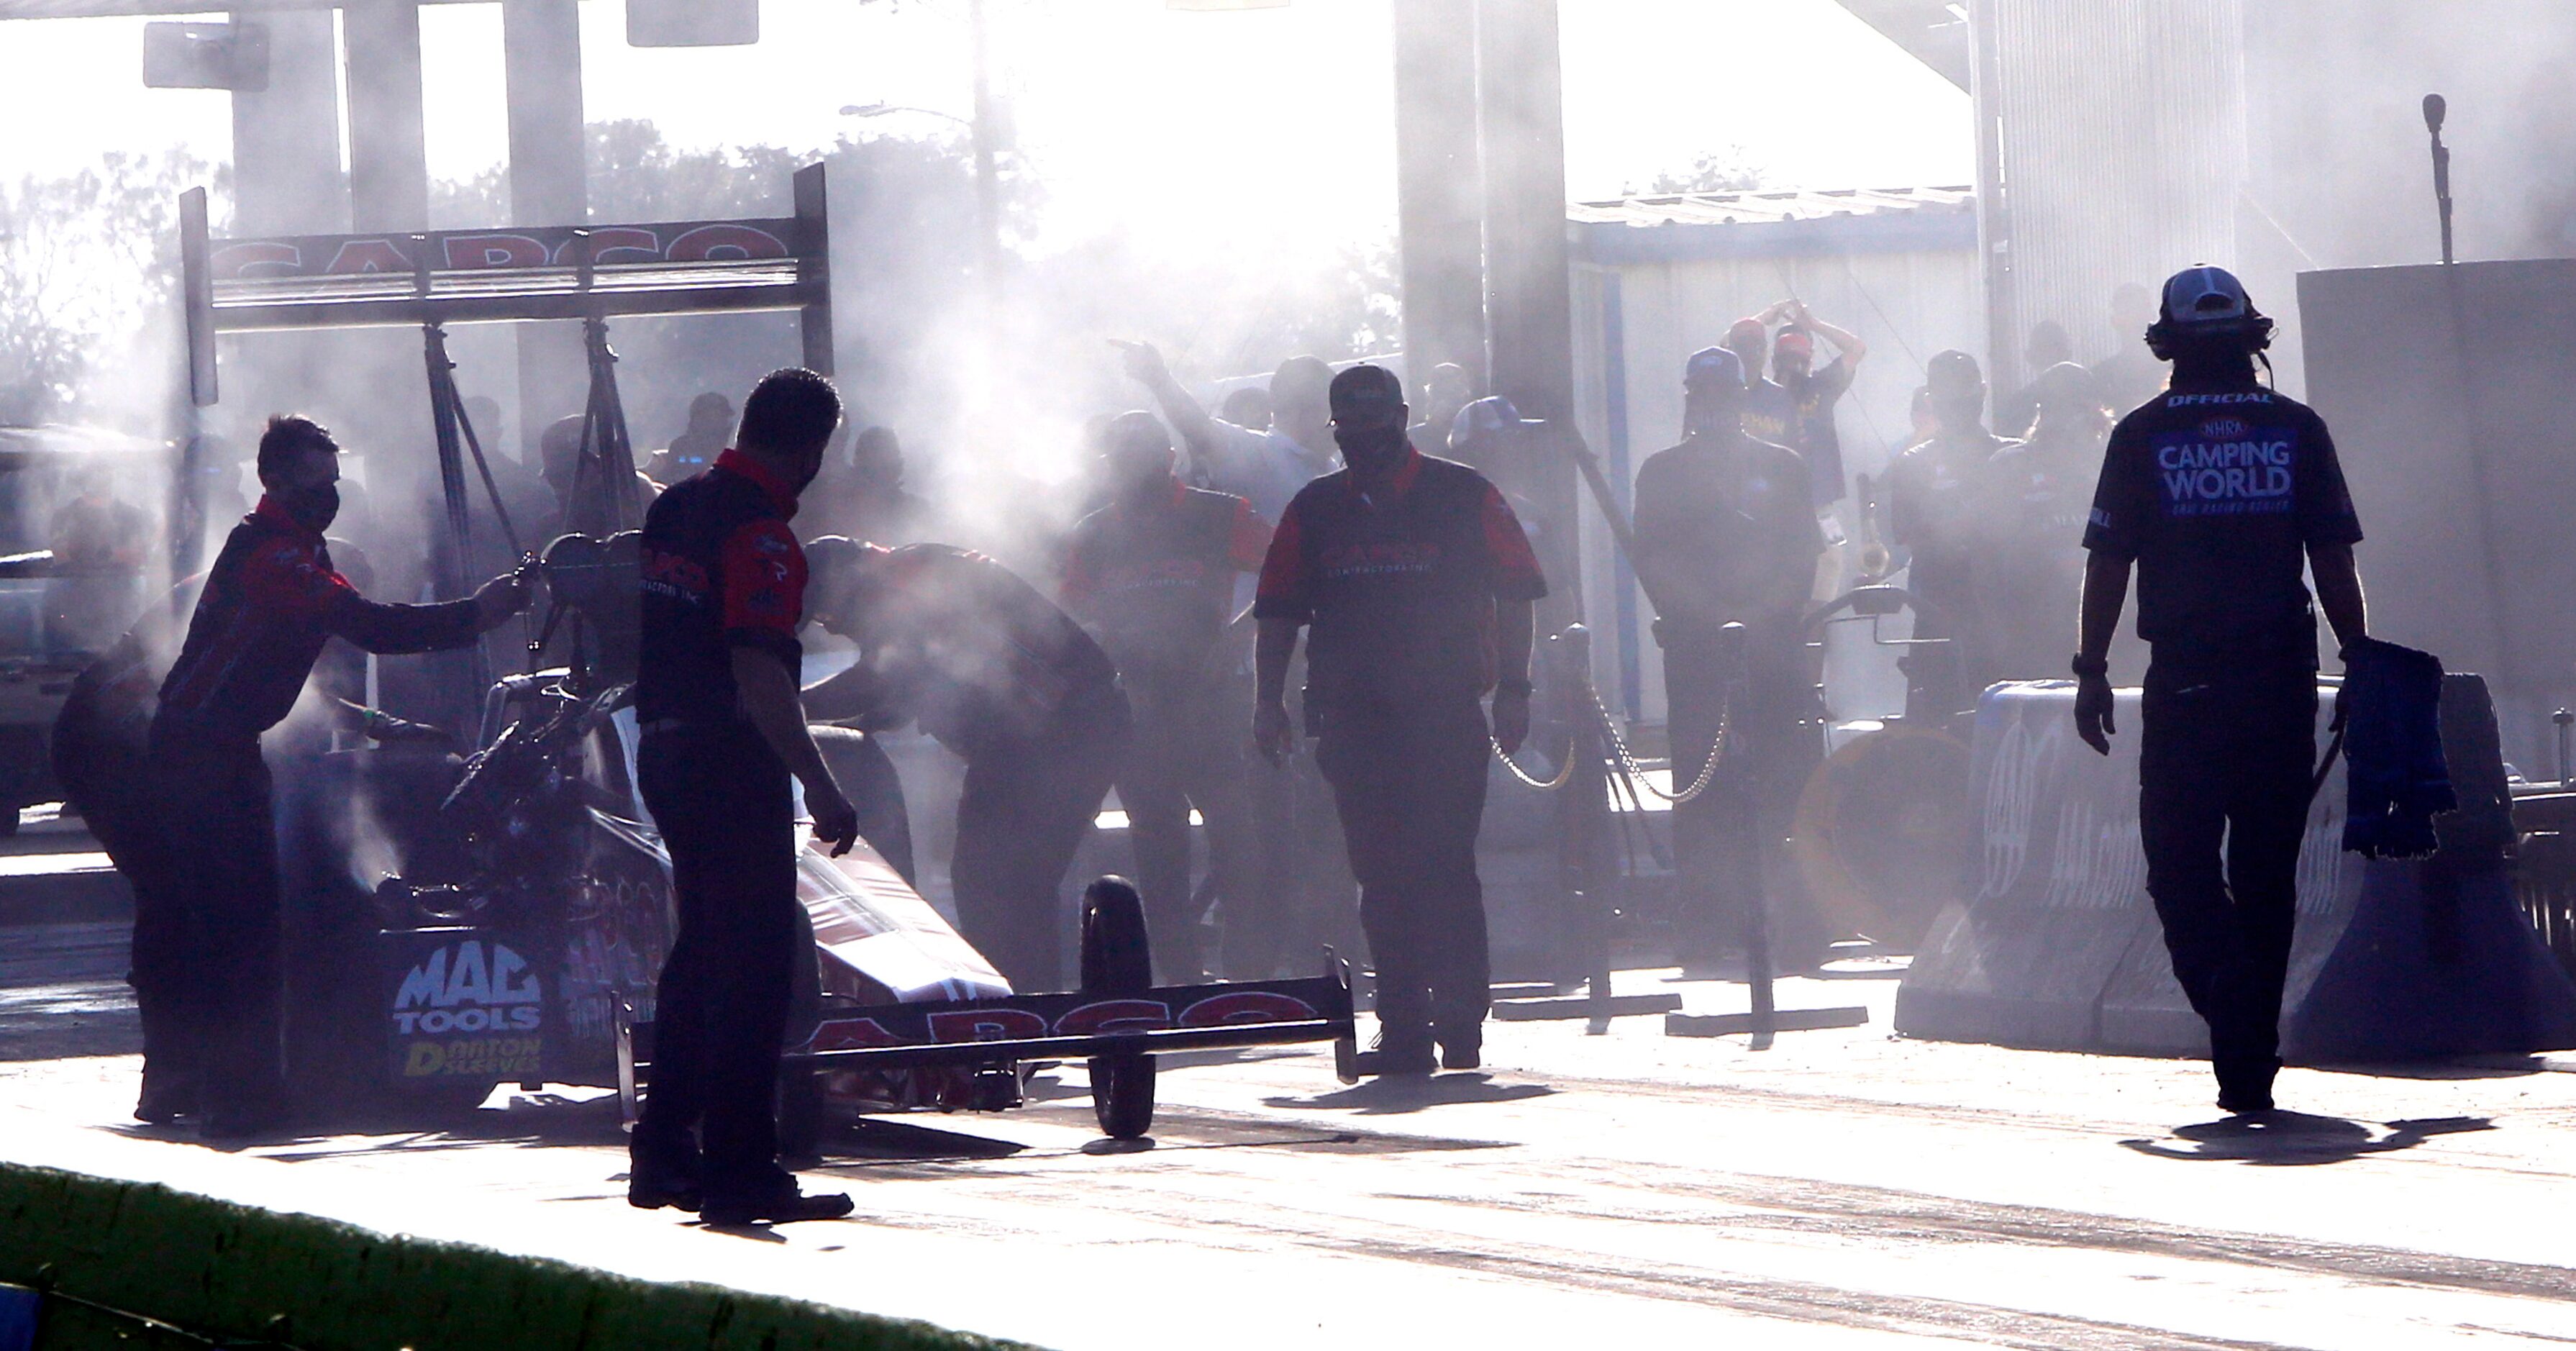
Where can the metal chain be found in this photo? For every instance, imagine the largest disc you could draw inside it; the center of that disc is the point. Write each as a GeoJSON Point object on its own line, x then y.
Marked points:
{"type": "Point", "coordinates": [1637, 776]}
{"type": "Point", "coordinates": [1628, 762]}
{"type": "Point", "coordinates": [1564, 771]}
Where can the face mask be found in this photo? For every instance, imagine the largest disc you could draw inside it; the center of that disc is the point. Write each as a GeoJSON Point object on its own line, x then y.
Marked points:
{"type": "Point", "coordinates": [1370, 449]}
{"type": "Point", "coordinates": [313, 508]}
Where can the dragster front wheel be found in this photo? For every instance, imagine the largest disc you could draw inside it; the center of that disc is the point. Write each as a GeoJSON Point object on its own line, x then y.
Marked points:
{"type": "Point", "coordinates": [1118, 959]}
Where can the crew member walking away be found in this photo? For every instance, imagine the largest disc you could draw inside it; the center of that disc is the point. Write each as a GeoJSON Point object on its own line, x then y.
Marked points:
{"type": "Point", "coordinates": [1726, 534]}
{"type": "Point", "coordinates": [1941, 509]}
{"type": "Point", "coordinates": [269, 603]}
{"type": "Point", "coordinates": [1010, 683]}
{"type": "Point", "coordinates": [1151, 576]}
{"type": "Point", "coordinates": [2218, 491]}
{"type": "Point", "coordinates": [1417, 582]}
{"type": "Point", "coordinates": [722, 736]}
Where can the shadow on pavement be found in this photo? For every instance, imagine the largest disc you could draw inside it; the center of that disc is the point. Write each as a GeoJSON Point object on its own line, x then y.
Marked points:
{"type": "Point", "coordinates": [1411, 1093]}
{"type": "Point", "coordinates": [2298, 1138]}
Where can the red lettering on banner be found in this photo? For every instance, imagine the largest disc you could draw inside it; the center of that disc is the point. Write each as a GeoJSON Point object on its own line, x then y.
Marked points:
{"type": "Point", "coordinates": [721, 243]}
{"type": "Point", "coordinates": [1115, 1015]}
{"type": "Point", "coordinates": [962, 1025]}
{"type": "Point", "coordinates": [1247, 1006]}
{"type": "Point", "coordinates": [258, 258]}
{"type": "Point", "coordinates": [843, 1034]}
{"type": "Point", "coordinates": [614, 244]}
{"type": "Point", "coordinates": [466, 253]}
{"type": "Point", "coordinates": [368, 255]}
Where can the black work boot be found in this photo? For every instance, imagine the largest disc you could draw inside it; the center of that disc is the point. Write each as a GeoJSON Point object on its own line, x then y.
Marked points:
{"type": "Point", "coordinates": [658, 1177]}
{"type": "Point", "coordinates": [168, 1094]}
{"type": "Point", "coordinates": [1462, 1049]}
{"type": "Point", "coordinates": [778, 1205]}
{"type": "Point", "coordinates": [1399, 1050]}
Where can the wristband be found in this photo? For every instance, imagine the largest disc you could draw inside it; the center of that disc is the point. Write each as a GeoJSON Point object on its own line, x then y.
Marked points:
{"type": "Point", "coordinates": [2089, 667]}
{"type": "Point", "coordinates": [1513, 685]}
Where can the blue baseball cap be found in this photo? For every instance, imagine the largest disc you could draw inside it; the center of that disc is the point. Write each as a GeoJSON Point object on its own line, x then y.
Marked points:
{"type": "Point", "coordinates": [1712, 366]}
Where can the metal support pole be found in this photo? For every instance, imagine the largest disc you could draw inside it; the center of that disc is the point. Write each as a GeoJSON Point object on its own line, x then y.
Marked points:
{"type": "Point", "coordinates": [1739, 798]}
{"type": "Point", "coordinates": [541, 58]}
{"type": "Point", "coordinates": [388, 155]}
{"type": "Point", "coordinates": [1583, 816]}
{"type": "Point", "coordinates": [1439, 187]}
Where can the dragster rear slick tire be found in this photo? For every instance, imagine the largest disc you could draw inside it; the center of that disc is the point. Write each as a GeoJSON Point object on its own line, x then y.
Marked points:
{"type": "Point", "coordinates": [1118, 959]}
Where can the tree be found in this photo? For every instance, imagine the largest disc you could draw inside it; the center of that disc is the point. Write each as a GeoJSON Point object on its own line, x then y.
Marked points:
{"type": "Point", "coordinates": [1730, 170]}
{"type": "Point", "coordinates": [89, 280]}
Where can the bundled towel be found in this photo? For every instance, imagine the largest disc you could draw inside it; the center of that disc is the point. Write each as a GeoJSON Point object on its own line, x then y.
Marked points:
{"type": "Point", "coordinates": [2398, 780]}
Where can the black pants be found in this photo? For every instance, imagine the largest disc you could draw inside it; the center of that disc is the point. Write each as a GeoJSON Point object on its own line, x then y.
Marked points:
{"type": "Point", "coordinates": [1026, 806]}
{"type": "Point", "coordinates": [1187, 751]}
{"type": "Point", "coordinates": [1730, 838]}
{"type": "Point", "coordinates": [106, 773]}
{"type": "Point", "coordinates": [1410, 786]}
{"type": "Point", "coordinates": [206, 924]}
{"type": "Point", "coordinates": [2224, 763]}
{"type": "Point", "coordinates": [867, 776]}
{"type": "Point", "coordinates": [725, 809]}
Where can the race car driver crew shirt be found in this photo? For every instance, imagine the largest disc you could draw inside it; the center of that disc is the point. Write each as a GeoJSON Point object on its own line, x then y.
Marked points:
{"type": "Point", "coordinates": [2217, 493]}
{"type": "Point", "coordinates": [1398, 587]}
{"type": "Point", "coordinates": [721, 571]}
{"type": "Point", "coordinates": [271, 600]}
{"type": "Point", "coordinates": [1155, 579]}
{"type": "Point", "coordinates": [956, 641]}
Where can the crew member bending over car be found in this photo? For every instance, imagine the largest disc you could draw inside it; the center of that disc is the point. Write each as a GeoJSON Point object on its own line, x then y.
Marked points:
{"type": "Point", "coordinates": [955, 641]}
{"type": "Point", "coordinates": [270, 602]}
{"type": "Point", "coordinates": [722, 733]}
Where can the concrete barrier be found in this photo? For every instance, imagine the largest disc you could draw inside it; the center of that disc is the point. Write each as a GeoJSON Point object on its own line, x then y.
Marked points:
{"type": "Point", "coordinates": [2059, 946]}
{"type": "Point", "coordinates": [222, 1270]}
{"type": "Point", "coordinates": [2055, 880]}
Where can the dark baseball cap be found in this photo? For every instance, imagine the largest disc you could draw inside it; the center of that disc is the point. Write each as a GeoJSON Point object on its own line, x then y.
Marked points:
{"type": "Point", "coordinates": [1365, 393]}
{"type": "Point", "coordinates": [1713, 366]}
{"type": "Point", "coordinates": [1953, 374]}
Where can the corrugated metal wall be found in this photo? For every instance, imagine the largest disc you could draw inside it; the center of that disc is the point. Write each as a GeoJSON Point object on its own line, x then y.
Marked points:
{"type": "Point", "coordinates": [2118, 142]}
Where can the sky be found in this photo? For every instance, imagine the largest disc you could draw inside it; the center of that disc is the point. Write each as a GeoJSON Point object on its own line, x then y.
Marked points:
{"type": "Point", "coordinates": [1137, 117]}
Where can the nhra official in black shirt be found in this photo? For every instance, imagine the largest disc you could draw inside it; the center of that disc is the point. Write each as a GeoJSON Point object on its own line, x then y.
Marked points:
{"type": "Point", "coordinates": [1416, 581]}
{"type": "Point", "coordinates": [2217, 491]}
{"type": "Point", "coordinates": [1727, 534]}
{"type": "Point", "coordinates": [722, 734]}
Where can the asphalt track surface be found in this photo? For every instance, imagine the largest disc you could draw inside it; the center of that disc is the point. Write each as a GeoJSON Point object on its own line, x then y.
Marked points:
{"type": "Point", "coordinates": [1842, 1189]}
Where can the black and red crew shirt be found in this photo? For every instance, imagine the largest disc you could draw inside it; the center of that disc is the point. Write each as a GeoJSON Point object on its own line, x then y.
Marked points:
{"type": "Point", "coordinates": [271, 600]}
{"type": "Point", "coordinates": [951, 639]}
{"type": "Point", "coordinates": [721, 571]}
{"type": "Point", "coordinates": [2218, 493]}
{"type": "Point", "coordinates": [1398, 587]}
{"type": "Point", "coordinates": [1155, 578]}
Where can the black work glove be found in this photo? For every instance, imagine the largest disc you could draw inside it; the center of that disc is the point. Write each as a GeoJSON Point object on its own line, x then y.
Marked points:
{"type": "Point", "coordinates": [2093, 720]}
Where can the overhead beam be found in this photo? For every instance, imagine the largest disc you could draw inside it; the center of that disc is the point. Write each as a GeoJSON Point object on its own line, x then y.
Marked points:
{"type": "Point", "coordinates": [134, 9]}
{"type": "Point", "coordinates": [1934, 32]}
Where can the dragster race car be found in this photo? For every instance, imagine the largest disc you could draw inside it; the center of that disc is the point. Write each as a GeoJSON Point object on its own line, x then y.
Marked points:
{"type": "Point", "coordinates": [503, 920]}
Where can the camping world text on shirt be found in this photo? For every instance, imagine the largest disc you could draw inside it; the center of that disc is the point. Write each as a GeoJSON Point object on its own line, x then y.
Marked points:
{"type": "Point", "coordinates": [2226, 466]}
